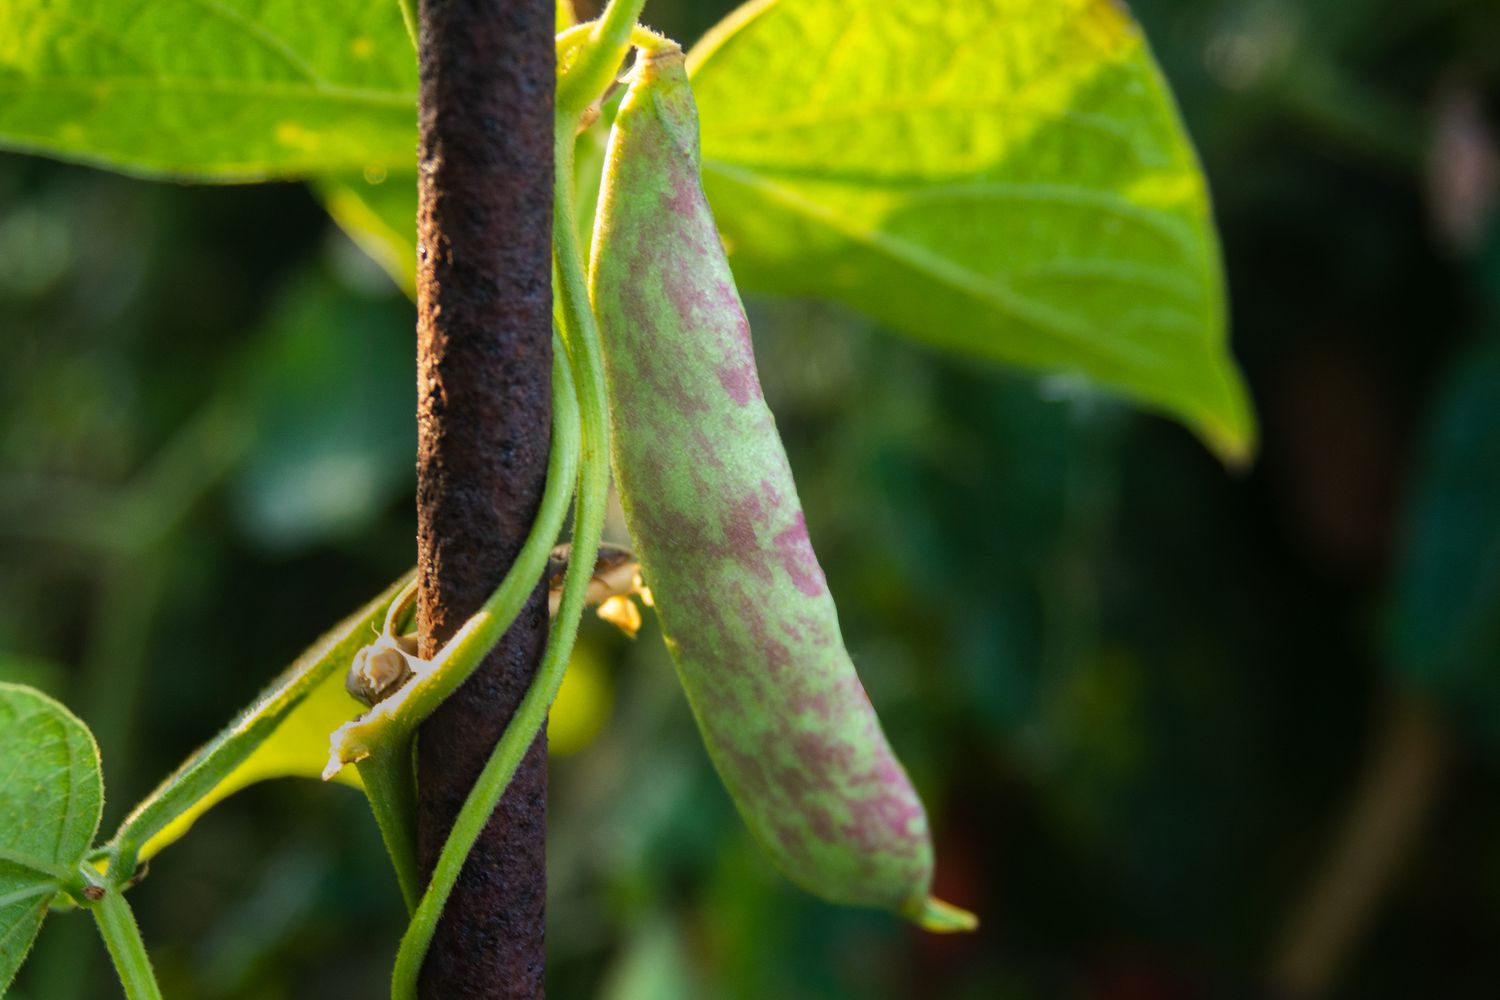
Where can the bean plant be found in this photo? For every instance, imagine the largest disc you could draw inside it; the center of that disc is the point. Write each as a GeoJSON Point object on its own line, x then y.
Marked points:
{"type": "Point", "coordinates": [1007, 180]}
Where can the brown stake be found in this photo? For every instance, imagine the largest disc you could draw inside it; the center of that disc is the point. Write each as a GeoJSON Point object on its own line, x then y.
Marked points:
{"type": "Point", "coordinates": [484, 357]}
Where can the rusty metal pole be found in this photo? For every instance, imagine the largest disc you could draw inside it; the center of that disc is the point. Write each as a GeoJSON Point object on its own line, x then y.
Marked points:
{"type": "Point", "coordinates": [484, 358]}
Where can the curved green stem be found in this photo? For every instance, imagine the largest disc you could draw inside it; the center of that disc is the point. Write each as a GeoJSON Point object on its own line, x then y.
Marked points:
{"type": "Point", "coordinates": [393, 721]}
{"type": "Point", "coordinates": [605, 48]}
{"type": "Point", "coordinates": [583, 348]}
{"type": "Point", "coordinates": [643, 37]}
{"type": "Point", "coordinates": [123, 939]}
{"type": "Point", "coordinates": [473, 642]}
{"type": "Point", "coordinates": [380, 744]}
{"type": "Point", "coordinates": [571, 38]}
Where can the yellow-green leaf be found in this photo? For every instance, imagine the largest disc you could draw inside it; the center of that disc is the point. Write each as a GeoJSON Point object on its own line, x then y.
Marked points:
{"type": "Point", "coordinates": [1006, 179]}
{"type": "Point", "coordinates": [379, 212]}
{"type": "Point", "coordinates": [283, 734]}
{"type": "Point", "coordinates": [222, 90]}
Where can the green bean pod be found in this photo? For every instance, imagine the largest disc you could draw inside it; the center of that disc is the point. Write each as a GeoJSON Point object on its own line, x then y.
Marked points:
{"type": "Point", "coordinates": [713, 511]}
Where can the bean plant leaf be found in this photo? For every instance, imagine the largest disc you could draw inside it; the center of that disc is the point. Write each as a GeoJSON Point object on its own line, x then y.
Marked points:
{"type": "Point", "coordinates": [1445, 616]}
{"type": "Point", "coordinates": [220, 90]}
{"type": "Point", "coordinates": [300, 709]}
{"type": "Point", "coordinates": [379, 212]}
{"type": "Point", "coordinates": [51, 795]}
{"type": "Point", "coordinates": [1006, 179]}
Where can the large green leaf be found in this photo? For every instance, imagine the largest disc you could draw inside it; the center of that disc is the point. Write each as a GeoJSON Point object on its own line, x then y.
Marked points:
{"type": "Point", "coordinates": [209, 89]}
{"type": "Point", "coordinates": [51, 794]}
{"type": "Point", "coordinates": [283, 734]}
{"type": "Point", "coordinates": [1445, 617]}
{"type": "Point", "coordinates": [1007, 179]}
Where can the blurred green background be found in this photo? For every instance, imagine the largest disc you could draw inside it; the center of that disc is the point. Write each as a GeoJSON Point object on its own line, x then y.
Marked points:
{"type": "Point", "coordinates": [1182, 732]}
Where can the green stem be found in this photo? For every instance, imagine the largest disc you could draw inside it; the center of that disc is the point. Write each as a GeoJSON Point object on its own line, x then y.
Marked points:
{"type": "Point", "coordinates": [391, 788]}
{"type": "Point", "coordinates": [605, 49]}
{"type": "Point", "coordinates": [380, 743]}
{"type": "Point", "coordinates": [571, 38]}
{"type": "Point", "coordinates": [584, 352]}
{"type": "Point", "coordinates": [123, 939]}
{"type": "Point", "coordinates": [394, 720]}
{"type": "Point", "coordinates": [473, 642]}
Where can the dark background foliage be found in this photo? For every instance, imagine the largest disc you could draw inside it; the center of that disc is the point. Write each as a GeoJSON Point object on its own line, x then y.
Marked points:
{"type": "Point", "coordinates": [1141, 694]}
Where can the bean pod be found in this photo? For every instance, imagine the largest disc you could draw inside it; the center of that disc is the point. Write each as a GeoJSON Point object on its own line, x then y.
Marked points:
{"type": "Point", "coordinates": [710, 503]}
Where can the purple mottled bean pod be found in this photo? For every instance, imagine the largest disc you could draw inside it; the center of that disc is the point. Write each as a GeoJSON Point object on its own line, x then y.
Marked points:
{"type": "Point", "coordinates": [714, 514]}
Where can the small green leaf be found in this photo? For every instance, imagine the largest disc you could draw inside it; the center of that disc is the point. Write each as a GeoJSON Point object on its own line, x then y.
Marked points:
{"type": "Point", "coordinates": [1444, 634]}
{"type": "Point", "coordinates": [300, 709]}
{"type": "Point", "coordinates": [1006, 179]}
{"type": "Point", "coordinates": [227, 90]}
{"type": "Point", "coordinates": [51, 795]}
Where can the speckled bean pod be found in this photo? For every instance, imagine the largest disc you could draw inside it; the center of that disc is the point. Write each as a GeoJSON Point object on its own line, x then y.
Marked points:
{"type": "Point", "coordinates": [719, 530]}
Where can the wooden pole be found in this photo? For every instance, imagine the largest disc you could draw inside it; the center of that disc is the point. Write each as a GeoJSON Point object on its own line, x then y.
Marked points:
{"type": "Point", "coordinates": [483, 376]}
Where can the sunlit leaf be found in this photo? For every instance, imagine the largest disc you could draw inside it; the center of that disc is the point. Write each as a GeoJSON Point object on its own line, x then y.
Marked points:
{"type": "Point", "coordinates": [283, 734]}
{"type": "Point", "coordinates": [228, 90]}
{"type": "Point", "coordinates": [1006, 179]}
{"type": "Point", "coordinates": [51, 795]}
{"type": "Point", "coordinates": [379, 212]}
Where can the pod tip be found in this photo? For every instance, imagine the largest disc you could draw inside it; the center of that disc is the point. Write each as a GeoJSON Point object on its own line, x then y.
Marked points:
{"type": "Point", "coordinates": [943, 918]}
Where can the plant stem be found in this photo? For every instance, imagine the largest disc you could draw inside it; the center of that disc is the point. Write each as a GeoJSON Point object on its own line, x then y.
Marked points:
{"type": "Point", "coordinates": [584, 354]}
{"type": "Point", "coordinates": [123, 939]}
{"type": "Point", "coordinates": [387, 772]}
{"type": "Point", "coordinates": [607, 44]}
{"type": "Point", "coordinates": [501, 767]}
{"type": "Point", "coordinates": [395, 719]}
{"type": "Point", "coordinates": [461, 654]}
